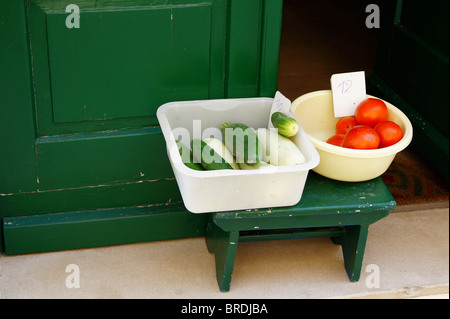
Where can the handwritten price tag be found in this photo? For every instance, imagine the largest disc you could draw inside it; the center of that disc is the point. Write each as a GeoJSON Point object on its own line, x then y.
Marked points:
{"type": "Point", "coordinates": [280, 104]}
{"type": "Point", "coordinates": [349, 90]}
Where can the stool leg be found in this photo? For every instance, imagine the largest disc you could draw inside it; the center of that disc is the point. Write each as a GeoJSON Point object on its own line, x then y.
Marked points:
{"type": "Point", "coordinates": [353, 247]}
{"type": "Point", "coordinates": [225, 253]}
{"type": "Point", "coordinates": [223, 245]}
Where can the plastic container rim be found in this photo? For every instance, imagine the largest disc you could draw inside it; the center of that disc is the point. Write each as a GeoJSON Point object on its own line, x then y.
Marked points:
{"type": "Point", "coordinates": [176, 160]}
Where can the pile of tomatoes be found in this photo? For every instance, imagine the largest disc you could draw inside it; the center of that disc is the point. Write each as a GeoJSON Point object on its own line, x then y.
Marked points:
{"type": "Point", "coordinates": [368, 129]}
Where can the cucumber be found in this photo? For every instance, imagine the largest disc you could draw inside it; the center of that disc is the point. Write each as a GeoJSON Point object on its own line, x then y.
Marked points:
{"type": "Point", "coordinates": [221, 149]}
{"type": "Point", "coordinates": [242, 141]}
{"type": "Point", "coordinates": [187, 158]}
{"type": "Point", "coordinates": [209, 159]}
{"type": "Point", "coordinates": [286, 125]}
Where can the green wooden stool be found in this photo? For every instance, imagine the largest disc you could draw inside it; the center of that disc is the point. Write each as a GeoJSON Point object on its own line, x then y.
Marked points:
{"type": "Point", "coordinates": [342, 211]}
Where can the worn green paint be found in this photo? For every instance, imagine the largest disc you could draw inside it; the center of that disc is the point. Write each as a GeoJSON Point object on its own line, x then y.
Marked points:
{"type": "Point", "coordinates": [97, 159]}
{"type": "Point", "coordinates": [18, 172]}
{"type": "Point", "coordinates": [412, 71]}
{"type": "Point", "coordinates": [252, 62]}
{"type": "Point", "coordinates": [321, 196]}
{"type": "Point", "coordinates": [103, 227]}
{"type": "Point", "coordinates": [143, 192]}
{"type": "Point", "coordinates": [78, 130]}
{"type": "Point", "coordinates": [223, 244]}
{"type": "Point", "coordinates": [342, 211]}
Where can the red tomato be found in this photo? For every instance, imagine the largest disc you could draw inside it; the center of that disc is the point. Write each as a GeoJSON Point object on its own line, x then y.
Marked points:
{"type": "Point", "coordinates": [361, 137]}
{"type": "Point", "coordinates": [389, 132]}
{"type": "Point", "coordinates": [336, 139]}
{"type": "Point", "coordinates": [372, 111]}
{"type": "Point", "coordinates": [345, 124]}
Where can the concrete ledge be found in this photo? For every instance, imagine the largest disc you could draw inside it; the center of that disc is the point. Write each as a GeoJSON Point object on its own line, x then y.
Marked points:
{"type": "Point", "coordinates": [410, 251]}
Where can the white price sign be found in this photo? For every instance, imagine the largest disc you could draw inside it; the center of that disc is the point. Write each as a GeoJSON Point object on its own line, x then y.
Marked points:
{"type": "Point", "coordinates": [349, 90]}
{"type": "Point", "coordinates": [280, 104]}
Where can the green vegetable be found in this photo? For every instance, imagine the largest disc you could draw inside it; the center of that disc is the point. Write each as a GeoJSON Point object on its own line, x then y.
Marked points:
{"type": "Point", "coordinates": [207, 156]}
{"type": "Point", "coordinates": [187, 158]}
{"type": "Point", "coordinates": [287, 126]}
{"type": "Point", "coordinates": [279, 150]}
{"type": "Point", "coordinates": [224, 152]}
{"type": "Point", "coordinates": [242, 141]}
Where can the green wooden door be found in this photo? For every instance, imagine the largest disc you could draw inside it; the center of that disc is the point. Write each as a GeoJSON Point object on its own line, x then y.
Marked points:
{"type": "Point", "coordinates": [80, 141]}
{"type": "Point", "coordinates": [412, 71]}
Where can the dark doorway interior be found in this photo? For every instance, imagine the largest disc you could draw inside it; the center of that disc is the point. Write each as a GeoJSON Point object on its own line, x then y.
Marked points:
{"type": "Point", "coordinates": [320, 38]}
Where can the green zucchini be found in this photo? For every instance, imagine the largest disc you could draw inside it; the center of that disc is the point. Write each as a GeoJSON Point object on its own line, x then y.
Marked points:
{"type": "Point", "coordinates": [187, 158]}
{"type": "Point", "coordinates": [286, 125]}
{"type": "Point", "coordinates": [209, 159]}
{"type": "Point", "coordinates": [242, 141]}
{"type": "Point", "coordinates": [218, 146]}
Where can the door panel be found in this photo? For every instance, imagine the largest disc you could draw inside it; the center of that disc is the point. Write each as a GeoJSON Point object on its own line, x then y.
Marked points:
{"type": "Point", "coordinates": [98, 86]}
{"type": "Point", "coordinates": [102, 158]}
{"type": "Point", "coordinates": [122, 64]}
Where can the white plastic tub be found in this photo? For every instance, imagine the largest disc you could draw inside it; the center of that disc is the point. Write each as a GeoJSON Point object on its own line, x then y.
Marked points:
{"type": "Point", "coordinates": [228, 190]}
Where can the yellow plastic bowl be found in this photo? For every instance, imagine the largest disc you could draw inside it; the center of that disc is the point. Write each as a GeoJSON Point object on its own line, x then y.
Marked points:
{"type": "Point", "coordinates": [315, 113]}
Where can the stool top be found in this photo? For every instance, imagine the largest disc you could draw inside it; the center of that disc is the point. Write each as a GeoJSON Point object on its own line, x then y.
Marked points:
{"type": "Point", "coordinates": [324, 202]}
